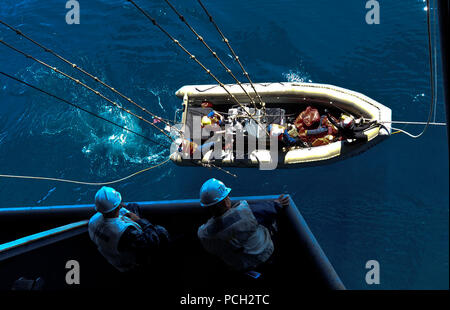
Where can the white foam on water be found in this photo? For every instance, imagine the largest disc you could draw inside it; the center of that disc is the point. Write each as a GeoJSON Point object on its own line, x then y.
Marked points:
{"type": "Point", "coordinates": [157, 93]}
{"type": "Point", "coordinates": [297, 76]}
{"type": "Point", "coordinates": [114, 147]}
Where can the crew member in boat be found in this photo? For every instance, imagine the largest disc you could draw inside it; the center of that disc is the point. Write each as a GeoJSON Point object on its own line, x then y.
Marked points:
{"type": "Point", "coordinates": [212, 118]}
{"type": "Point", "coordinates": [324, 134]}
{"type": "Point", "coordinates": [206, 104]}
{"type": "Point", "coordinates": [240, 236]}
{"type": "Point", "coordinates": [187, 147]}
{"type": "Point", "coordinates": [126, 240]}
{"type": "Point", "coordinates": [288, 137]}
{"type": "Point", "coordinates": [348, 128]}
{"type": "Point", "coordinates": [314, 129]}
{"type": "Point", "coordinates": [209, 126]}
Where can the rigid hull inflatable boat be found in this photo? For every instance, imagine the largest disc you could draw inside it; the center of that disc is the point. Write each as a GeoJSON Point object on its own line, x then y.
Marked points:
{"type": "Point", "coordinates": [29, 252]}
{"type": "Point", "coordinates": [282, 103]}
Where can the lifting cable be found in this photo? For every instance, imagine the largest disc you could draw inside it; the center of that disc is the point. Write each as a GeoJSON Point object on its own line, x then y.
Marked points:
{"type": "Point", "coordinates": [209, 165]}
{"type": "Point", "coordinates": [85, 86]}
{"type": "Point", "coordinates": [201, 39]}
{"type": "Point", "coordinates": [432, 79]}
{"type": "Point", "coordinates": [193, 57]}
{"type": "Point", "coordinates": [435, 58]}
{"type": "Point", "coordinates": [80, 108]}
{"type": "Point", "coordinates": [81, 182]}
{"type": "Point", "coordinates": [236, 58]}
{"type": "Point", "coordinates": [73, 65]}
{"type": "Point", "coordinates": [93, 114]}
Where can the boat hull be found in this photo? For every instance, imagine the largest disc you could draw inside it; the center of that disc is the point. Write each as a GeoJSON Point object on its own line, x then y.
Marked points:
{"type": "Point", "coordinates": [298, 96]}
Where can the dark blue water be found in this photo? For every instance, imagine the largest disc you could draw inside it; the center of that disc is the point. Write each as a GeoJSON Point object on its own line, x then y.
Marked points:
{"type": "Point", "coordinates": [389, 204]}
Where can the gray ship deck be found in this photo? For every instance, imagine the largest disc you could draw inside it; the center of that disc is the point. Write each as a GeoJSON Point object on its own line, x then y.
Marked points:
{"type": "Point", "coordinates": [299, 263]}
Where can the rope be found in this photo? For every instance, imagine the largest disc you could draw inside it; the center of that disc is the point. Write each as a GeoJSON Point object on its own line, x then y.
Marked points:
{"type": "Point", "coordinates": [201, 39]}
{"type": "Point", "coordinates": [80, 108]}
{"type": "Point", "coordinates": [85, 86]}
{"type": "Point", "coordinates": [84, 183]}
{"type": "Point", "coordinates": [236, 58]}
{"type": "Point", "coordinates": [191, 56]}
{"type": "Point", "coordinates": [20, 33]}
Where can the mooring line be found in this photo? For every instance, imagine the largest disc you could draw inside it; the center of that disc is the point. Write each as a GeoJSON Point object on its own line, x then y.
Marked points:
{"type": "Point", "coordinates": [414, 123]}
{"type": "Point", "coordinates": [81, 182]}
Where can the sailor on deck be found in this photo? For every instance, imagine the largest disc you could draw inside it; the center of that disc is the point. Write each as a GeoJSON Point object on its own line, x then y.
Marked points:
{"type": "Point", "coordinates": [122, 237]}
{"type": "Point", "coordinates": [234, 233]}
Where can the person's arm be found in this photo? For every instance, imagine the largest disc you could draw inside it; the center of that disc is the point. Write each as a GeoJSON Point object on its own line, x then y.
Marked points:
{"type": "Point", "coordinates": [282, 202]}
{"type": "Point", "coordinates": [288, 139]}
{"type": "Point", "coordinates": [315, 132]}
{"type": "Point", "coordinates": [151, 237]}
{"type": "Point", "coordinates": [332, 121]}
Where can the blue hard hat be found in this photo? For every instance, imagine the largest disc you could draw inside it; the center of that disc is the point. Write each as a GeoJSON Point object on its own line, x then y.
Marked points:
{"type": "Point", "coordinates": [107, 199]}
{"type": "Point", "coordinates": [213, 191]}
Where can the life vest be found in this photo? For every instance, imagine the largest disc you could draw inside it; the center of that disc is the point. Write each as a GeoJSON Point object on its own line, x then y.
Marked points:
{"type": "Point", "coordinates": [307, 118]}
{"type": "Point", "coordinates": [237, 238]}
{"type": "Point", "coordinates": [106, 233]}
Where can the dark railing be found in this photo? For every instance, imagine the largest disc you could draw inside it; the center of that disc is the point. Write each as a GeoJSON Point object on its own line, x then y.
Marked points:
{"type": "Point", "coordinates": [301, 236]}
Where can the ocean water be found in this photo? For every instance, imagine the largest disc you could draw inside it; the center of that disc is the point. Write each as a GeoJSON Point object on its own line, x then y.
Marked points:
{"type": "Point", "coordinates": [389, 203]}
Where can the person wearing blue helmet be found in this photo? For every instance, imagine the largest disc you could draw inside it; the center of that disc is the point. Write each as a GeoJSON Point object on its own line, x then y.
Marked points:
{"type": "Point", "coordinates": [127, 241]}
{"type": "Point", "coordinates": [236, 234]}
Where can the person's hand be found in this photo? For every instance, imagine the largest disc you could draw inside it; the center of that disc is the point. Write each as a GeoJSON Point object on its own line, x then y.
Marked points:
{"type": "Point", "coordinates": [132, 216]}
{"type": "Point", "coordinates": [283, 201]}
